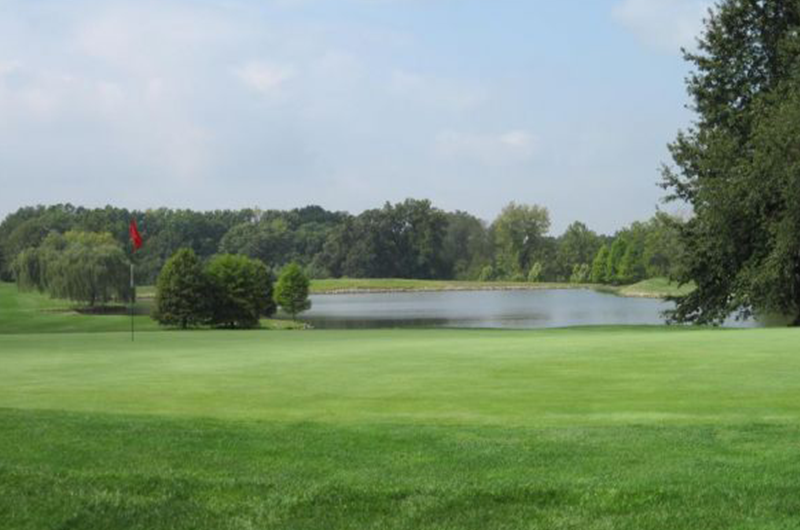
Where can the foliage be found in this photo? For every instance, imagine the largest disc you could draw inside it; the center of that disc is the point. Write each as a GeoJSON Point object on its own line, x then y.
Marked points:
{"type": "Point", "coordinates": [79, 266]}
{"type": "Point", "coordinates": [663, 250]}
{"type": "Point", "coordinates": [411, 240]}
{"type": "Point", "coordinates": [599, 266]}
{"type": "Point", "coordinates": [535, 273]}
{"type": "Point", "coordinates": [241, 290]}
{"type": "Point", "coordinates": [487, 274]}
{"type": "Point", "coordinates": [738, 166]}
{"type": "Point", "coordinates": [291, 291]}
{"type": "Point", "coordinates": [614, 262]}
{"type": "Point", "coordinates": [581, 273]}
{"type": "Point", "coordinates": [518, 234]}
{"type": "Point", "coordinates": [405, 240]}
{"type": "Point", "coordinates": [577, 246]}
{"type": "Point", "coordinates": [183, 294]}
{"type": "Point", "coordinates": [467, 246]}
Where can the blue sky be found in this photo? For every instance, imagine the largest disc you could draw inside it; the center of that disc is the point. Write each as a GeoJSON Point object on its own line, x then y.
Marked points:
{"type": "Point", "coordinates": [344, 103]}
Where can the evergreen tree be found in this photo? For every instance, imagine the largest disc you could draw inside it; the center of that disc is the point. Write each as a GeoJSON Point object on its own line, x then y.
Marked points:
{"type": "Point", "coordinates": [183, 294]}
{"type": "Point", "coordinates": [291, 292]}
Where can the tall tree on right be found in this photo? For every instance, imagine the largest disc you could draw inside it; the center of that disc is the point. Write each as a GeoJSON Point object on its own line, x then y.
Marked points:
{"type": "Point", "coordinates": [738, 166]}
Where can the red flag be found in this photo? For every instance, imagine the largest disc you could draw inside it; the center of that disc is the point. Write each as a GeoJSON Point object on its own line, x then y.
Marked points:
{"type": "Point", "coordinates": [136, 237]}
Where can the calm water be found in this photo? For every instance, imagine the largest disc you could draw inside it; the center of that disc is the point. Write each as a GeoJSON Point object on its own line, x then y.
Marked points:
{"type": "Point", "coordinates": [485, 309]}
{"type": "Point", "coordinates": [482, 309]}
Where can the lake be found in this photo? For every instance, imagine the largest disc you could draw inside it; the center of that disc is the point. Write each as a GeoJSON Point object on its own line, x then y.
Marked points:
{"type": "Point", "coordinates": [483, 309]}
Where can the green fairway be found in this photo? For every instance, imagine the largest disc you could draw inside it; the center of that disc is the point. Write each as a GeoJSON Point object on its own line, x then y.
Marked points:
{"type": "Point", "coordinates": [638, 428]}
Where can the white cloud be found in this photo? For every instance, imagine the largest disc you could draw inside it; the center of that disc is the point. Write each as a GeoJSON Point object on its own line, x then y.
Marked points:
{"type": "Point", "coordinates": [434, 91]}
{"type": "Point", "coordinates": [263, 77]}
{"type": "Point", "coordinates": [664, 25]}
{"type": "Point", "coordinates": [511, 147]}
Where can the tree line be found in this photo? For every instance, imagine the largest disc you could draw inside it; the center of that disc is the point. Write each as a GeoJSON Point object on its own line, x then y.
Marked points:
{"type": "Point", "coordinates": [410, 239]}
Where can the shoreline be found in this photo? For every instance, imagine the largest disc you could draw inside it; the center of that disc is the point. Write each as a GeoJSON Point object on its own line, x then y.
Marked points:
{"type": "Point", "coordinates": [614, 291]}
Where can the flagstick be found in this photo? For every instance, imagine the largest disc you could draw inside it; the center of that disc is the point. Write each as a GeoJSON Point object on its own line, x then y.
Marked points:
{"type": "Point", "coordinates": [133, 294]}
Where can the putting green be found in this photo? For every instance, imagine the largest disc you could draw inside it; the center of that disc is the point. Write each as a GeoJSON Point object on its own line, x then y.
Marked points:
{"type": "Point", "coordinates": [525, 378]}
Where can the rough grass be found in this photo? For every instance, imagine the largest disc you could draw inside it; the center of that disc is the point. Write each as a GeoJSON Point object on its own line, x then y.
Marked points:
{"type": "Point", "coordinates": [655, 288]}
{"type": "Point", "coordinates": [652, 288]}
{"type": "Point", "coordinates": [350, 285]}
{"type": "Point", "coordinates": [595, 428]}
{"type": "Point", "coordinates": [33, 312]}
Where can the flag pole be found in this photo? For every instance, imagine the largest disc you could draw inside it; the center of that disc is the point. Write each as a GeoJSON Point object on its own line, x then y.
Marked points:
{"type": "Point", "coordinates": [133, 297]}
{"type": "Point", "coordinates": [136, 243]}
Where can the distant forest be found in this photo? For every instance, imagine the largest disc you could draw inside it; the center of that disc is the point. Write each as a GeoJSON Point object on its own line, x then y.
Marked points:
{"type": "Point", "coordinates": [411, 239]}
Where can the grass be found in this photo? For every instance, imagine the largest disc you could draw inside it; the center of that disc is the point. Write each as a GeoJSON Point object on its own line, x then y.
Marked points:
{"type": "Point", "coordinates": [653, 288]}
{"type": "Point", "coordinates": [347, 285]}
{"type": "Point", "coordinates": [602, 428]}
{"type": "Point", "coordinates": [32, 312]}
{"type": "Point", "coordinates": [38, 313]}
{"type": "Point", "coordinates": [594, 428]}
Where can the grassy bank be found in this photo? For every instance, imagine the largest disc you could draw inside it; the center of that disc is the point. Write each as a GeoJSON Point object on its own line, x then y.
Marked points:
{"type": "Point", "coordinates": [597, 428]}
{"type": "Point", "coordinates": [350, 285]}
{"type": "Point", "coordinates": [653, 288]}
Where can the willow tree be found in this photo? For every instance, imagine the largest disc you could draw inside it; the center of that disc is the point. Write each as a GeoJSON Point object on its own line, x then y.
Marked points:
{"type": "Point", "coordinates": [738, 166]}
{"type": "Point", "coordinates": [85, 267]}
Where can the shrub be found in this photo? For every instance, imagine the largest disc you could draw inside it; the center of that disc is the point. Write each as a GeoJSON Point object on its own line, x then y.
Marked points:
{"type": "Point", "coordinates": [535, 274]}
{"type": "Point", "coordinates": [183, 292]}
{"type": "Point", "coordinates": [241, 291]}
{"type": "Point", "coordinates": [291, 292]}
{"type": "Point", "coordinates": [487, 274]}
{"type": "Point", "coordinates": [581, 273]}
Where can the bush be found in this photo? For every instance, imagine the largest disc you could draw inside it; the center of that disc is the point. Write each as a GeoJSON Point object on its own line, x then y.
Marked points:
{"type": "Point", "coordinates": [241, 291]}
{"type": "Point", "coordinates": [581, 273]}
{"type": "Point", "coordinates": [291, 293]}
{"type": "Point", "coordinates": [183, 292]}
{"type": "Point", "coordinates": [535, 274]}
{"type": "Point", "coordinates": [487, 274]}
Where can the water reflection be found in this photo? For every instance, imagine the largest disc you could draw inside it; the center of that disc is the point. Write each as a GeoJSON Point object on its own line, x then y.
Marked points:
{"type": "Point", "coordinates": [482, 309]}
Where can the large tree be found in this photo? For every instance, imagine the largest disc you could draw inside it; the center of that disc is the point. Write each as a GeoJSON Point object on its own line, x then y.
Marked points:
{"type": "Point", "coordinates": [519, 232]}
{"type": "Point", "coordinates": [739, 165]}
{"type": "Point", "coordinates": [85, 267]}
{"type": "Point", "coordinates": [577, 246]}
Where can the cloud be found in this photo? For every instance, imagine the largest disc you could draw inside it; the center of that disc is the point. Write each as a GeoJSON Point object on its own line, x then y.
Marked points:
{"type": "Point", "coordinates": [511, 147]}
{"type": "Point", "coordinates": [663, 25]}
{"type": "Point", "coordinates": [264, 77]}
{"type": "Point", "coordinates": [446, 94]}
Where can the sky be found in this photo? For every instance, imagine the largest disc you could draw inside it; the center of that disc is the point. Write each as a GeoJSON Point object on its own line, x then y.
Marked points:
{"type": "Point", "coordinates": [212, 104]}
